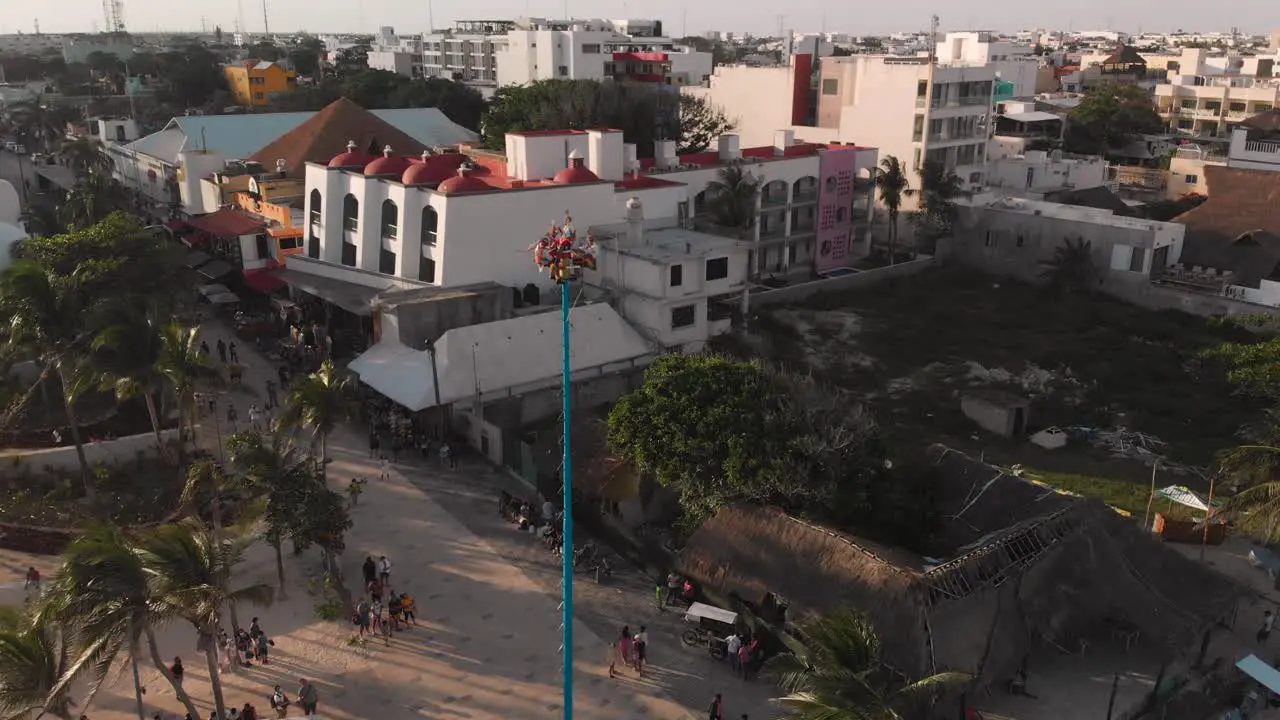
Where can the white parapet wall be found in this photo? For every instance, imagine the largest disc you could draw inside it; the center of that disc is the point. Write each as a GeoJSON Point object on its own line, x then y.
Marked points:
{"type": "Point", "coordinates": [14, 463]}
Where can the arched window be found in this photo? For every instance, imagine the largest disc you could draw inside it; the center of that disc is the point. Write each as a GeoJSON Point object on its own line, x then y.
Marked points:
{"type": "Point", "coordinates": [350, 213]}
{"type": "Point", "coordinates": [390, 219]}
{"type": "Point", "coordinates": [430, 226]}
{"type": "Point", "coordinates": [806, 188]}
{"type": "Point", "coordinates": [315, 207]}
{"type": "Point", "coordinates": [700, 203]}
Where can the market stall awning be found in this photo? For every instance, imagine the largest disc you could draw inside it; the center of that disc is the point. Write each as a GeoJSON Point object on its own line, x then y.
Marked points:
{"type": "Point", "coordinates": [399, 372]}
{"type": "Point", "coordinates": [1032, 116]}
{"type": "Point", "coordinates": [349, 296]}
{"type": "Point", "coordinates": [227, 223]}
{"type": "Point", "coordinates": [1256, 668]}
{"type": "Point", "coordinates": [196, 258]}
{"type": "Point", "coordinates": [214, 270]}
{"type": "Point", "coordinates": [213, 289]}
{"type": "Point", "coordinates": [264, 280]}
{"type": "Point", "coordinates": [1186, 496]}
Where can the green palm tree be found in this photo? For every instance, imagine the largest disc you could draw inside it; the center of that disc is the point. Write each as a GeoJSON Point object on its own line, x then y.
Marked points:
{"type": "Point", "coordinates": [839, 675]}
{"type": "Point", "coordinates": [48, 322]}
{"type": "Point", "coordinates": [893, 185]}
{"type": "Point", "coordinates": [1072, 269]}
{"type": "Point", "coordinates": [939, 190]}
{"type": "Point", "coordinates": [270, 467]}
{"type": "Point", "coordinates": [319, 401]}
{"type": "Point", "coordinates": [92, 200]}
{"type": "Point", "coordinates": [86, 156]}
{"type": "Point", "coordinates": [37, 123]}
{"type": "Point", "coordinates": [33, 661]}
{"type": "Point", "coordinates": [186, 369]}
{"type": "Point", "coordinates": [732, 197]}
{"type": "Point", "coordinates": [126, 357]}
{"type": "Point", "coordinates": [102, 590]}
{"type": "Point", "coordinates": [187, 567]}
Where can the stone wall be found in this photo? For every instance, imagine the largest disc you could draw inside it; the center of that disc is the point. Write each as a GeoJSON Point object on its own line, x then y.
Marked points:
{"type": "Point", "coordinates": [866, 278]}
{"type": "Point", "coordinates": [15, 463]}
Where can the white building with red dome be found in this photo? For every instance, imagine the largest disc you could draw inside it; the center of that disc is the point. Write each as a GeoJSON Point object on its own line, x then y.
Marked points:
{"type": "Point", "coordinates": [464, 216]}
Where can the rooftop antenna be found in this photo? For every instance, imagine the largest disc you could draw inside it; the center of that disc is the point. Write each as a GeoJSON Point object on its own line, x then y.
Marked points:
{"type": "Point", "coordinates": [933, 38]}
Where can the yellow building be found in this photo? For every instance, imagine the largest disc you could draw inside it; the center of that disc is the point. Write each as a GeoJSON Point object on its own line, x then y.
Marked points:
{"type": "Point", "coordinates": [255, 82]}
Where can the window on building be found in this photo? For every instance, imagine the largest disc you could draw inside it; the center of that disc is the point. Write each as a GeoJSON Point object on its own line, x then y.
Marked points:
{"type": "Point", "coordinates": [591, 48]}
{"type": "Point", "coordinates": [717, 269]}
{"type": "Point", "coordinates": [390, 219]}
{"type": "Point", "coordinates": [684, 316]}
{"type": "Point", "coordinates": [922, 88]}
{"type": "Point", "coordinates": [564, 71]}
{"type": "Point", "coordinates": [120, 137]}
{"type": "Point", "coordinates": [830, 86]}
{"type": "Point", "coordinates": [427, 270]}
{"type": "Point", "coordinates": [348, 254]}
{"type": "Point", "coordinates": [989, 241]}
{"type": "Point", "coordinates": [430, 226]}
{"type": "Point", "coordinates": [290, 243]}
{"type": "Point", "coordinates": [917, 134]}
{"type": "Point", "coordinates": [350, 213]}
{"type": "Point", "coordinates": [1021, 241]}
{"type": "Point", "coordinates": [313, 245]}
{"type": "Point", "coordinates": [1137, 259]}
{"type": "Point", "coordinates": [841, 214]}
{"type": "Point", "coordinates": [259, 96]}
{"type": "Point", "coordinates": [1237, 107]}
{"type": "Point", "coordinates": [316, 206]}
{"type": "Point", "coordinates": [677, 275]}
{"type": "Point", "coordinates": [387, 262]}
{"type": "Point", "coordinates": [264, 251]}
{"type": "Point", "coordinates": [791, 254]}
{"type": "Point", "coordinates": [1192, 179]}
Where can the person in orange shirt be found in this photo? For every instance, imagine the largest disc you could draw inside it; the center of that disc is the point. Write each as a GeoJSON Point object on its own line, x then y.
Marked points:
{"type": "Point", "coordinates": [407, 608]}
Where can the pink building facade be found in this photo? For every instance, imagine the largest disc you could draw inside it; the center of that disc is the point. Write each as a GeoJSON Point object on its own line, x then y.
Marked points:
{"type": "Point", "coordinates": [837, 175]}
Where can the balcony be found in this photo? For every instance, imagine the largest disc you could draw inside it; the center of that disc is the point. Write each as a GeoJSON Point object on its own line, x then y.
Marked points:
{"type": "Point", "coordinates": [806, 195]}
{"type": "Point", "coordinates": [769, 232]}
{"type": "Point", "coordinates": [1262, 146]}
{"type": "Point", "coordinates": [773, 199]}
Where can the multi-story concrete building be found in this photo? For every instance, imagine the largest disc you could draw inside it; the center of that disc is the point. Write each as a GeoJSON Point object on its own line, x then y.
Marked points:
{"type": "Point", "coordinates": [1209, 105]}
{"type": "Point", "coordinates": [400, 54]}
{"type": "Point", "coordinates": [29, 43]}
{"type": "Point", "coordinates": [1014, 63]}
{"type": "Point", "coordinates": [539, 49]}
{"type": "Point", "coordinates": [468, 52]}
{"type": "Point", "coordinates": [465, 217]}
{"type": "Point", "coordinates": [1037, 173]}
{"type": "Point", "coordinates": [255, 83]}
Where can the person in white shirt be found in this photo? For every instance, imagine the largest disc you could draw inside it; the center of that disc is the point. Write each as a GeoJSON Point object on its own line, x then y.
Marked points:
{"type": "Point", "coordinates": [641, 645]}
{"type": "Point", "coordinates": [384, 571]}
{"type": "Point", "coordinates": [733, 643]}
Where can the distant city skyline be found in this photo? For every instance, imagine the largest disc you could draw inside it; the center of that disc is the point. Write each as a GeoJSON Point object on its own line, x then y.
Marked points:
{"type": "Point", "coordinates": [755, 16]}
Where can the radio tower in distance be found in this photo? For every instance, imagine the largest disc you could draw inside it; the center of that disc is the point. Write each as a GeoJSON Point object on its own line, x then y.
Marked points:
{"type": "Point", "coordinates": [113, 10]}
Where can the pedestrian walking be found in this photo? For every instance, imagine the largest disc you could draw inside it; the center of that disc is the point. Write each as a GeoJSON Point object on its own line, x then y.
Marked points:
{"type": "Point", "coordinates": [375, 590]}
{"type": "Point", "coordinates": [446, 455]}
{"type": "Point", "coordinates": [33, 579]}
{"type": "Point", "coordinates": [673, 587]}
{"type": "Point", "coordinates": [177, 670]}
{"type": "Point", "coordinates": [232, 415]}
{"type": "Point", "coordinates": [272, 402]}
{"type": "Point", "coordinates": [222, 351]}
{"type": "Point", "coordinates": [235, 356]}
{"type": "Point", "coordinates": [204, 348]}
{"type": "Point", "coordinates": [364, 612]}
{"type": "Point", "coordinates": [255, 417]}
{"type": "Point", "coordinates": [212, 400]}
{"type": "Point", "coordinates": [283, 373]}
{"type": "Point", "coordinates": [1268, 622]}
{"type": "Point", "coordinates": [279, 702]}
{"type": "Point", "coordinates": [384, 570]}
{"type": "Point", "coordinates": [384, 470]}
{"type": "Point", "coordinates": [641, 647]}
{"type": "Point", "coordinates": [308, 696]}
{"type": "Point", "coordinates": [716, 711]}
{"type": "Point", "coordinates": [733, 644]}
{"type": "Point", "coordinates": [354, 488]}
{"type": "Point", "coordinates": [625, 642]}
{"type": "Point", "coordinates": [373, 444]}
{"type": "Point", "coordinates": [370, 569]}
{"type": "Point", "coordinates": [409, 608]}
{"type": "Point", "coordinates": [612, 657]}
{"type": "Point", "coordinates": [261, 648]}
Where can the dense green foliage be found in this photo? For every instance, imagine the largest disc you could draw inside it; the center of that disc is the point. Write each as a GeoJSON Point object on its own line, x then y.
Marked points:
{"type": "Point", "coordinates": [838, 674]}
{"type": "Point", "coordinates": [383, 89]}
{"type": "Point", "coordinates": [718, 431]}
{"type": "Point", "coordinates": [642, 112]}
{"type": "Point", "coordinates": [893, 186]}
{"type": "Point", "coordinates": [1109, 116]}
{"type": "Point", "coordinates": [1072, 269]}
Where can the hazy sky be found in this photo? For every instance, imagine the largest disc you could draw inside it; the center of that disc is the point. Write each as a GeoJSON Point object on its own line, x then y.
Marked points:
{"type": "Point", "coordinates": [758, 16]}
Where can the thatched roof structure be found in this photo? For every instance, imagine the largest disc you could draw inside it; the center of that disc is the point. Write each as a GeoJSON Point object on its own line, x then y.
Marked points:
{"type": "Point", "coordinates": [1032, 565]}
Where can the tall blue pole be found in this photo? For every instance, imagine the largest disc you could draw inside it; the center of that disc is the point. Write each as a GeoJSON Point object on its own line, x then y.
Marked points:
{"type": "Point", "coordinates": [568, 507]}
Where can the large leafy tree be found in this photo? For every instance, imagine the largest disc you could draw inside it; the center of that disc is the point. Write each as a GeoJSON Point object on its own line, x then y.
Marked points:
{"type": "Point", "coordinates": [894, 186]}
{"type": "Point", "coordinates": [319, 401]}
{"type": "Point", "coordinates": [1108, 116]}
{"type": "Point", "coordinates": [939, 191]}
{"type": "Point", "coordinates": [185, 368]}
{"type": "Point", "coordinates": [644, 114]}
{"type": "Point", "coordinates": [86, 156]}
{"type": "Point", "coordinates": [838, 675]}
{"type": "Point", "coordinates": [718, 431]}
{"type": "Point", "coordinates": [93, 199]}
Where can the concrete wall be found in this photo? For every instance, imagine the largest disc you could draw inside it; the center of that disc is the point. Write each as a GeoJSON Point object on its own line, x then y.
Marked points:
{"type": "Point", "coordinates": [739, 89]}
{"type": "Point", "coordinates": [1144, 294]}
{"type": "Point", "coordinates": [15, 463]}
{"type": "Point", "coordinates": [424, 322]}
{"type": "Point", "coordinates": [866, 278]}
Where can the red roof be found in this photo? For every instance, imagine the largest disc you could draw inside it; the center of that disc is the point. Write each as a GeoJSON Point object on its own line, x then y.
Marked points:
{"type": "Point", "coordinates": [643, 182]}
{"type": "Point", "coordinates": [388, 165]}
{"type": "Point", "coordinates": [463, 182]}
{"type": "Point", "coordinates": [433, 170]}
{"type": "Point", "coordinates": [575, 173]}
{"type": "Point", "coordinates": [227, 223]}
{"type": "Point", "coordinates": [324, 137]}
{"type": "Point", "coordinates": [264, 280]}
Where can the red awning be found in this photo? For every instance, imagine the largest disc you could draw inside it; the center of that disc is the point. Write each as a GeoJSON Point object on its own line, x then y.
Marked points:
{"type": "Point", "coordinates": [176, 225]}
{"type": "Point", "coordinates": [264, 280]}
{"type": "Point", "coordinates": [228, 223]}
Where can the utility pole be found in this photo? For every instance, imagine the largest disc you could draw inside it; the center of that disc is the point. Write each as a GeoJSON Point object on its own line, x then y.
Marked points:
{"type": "Point", "coordinates": [266, 24]}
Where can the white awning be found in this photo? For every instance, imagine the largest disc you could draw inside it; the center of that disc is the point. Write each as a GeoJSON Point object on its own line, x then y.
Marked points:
{"type": "Point", "coordinates": [1185, 496]}
{"type": "Point", "coordinates": [1262, 672]}
{"type": "Point", "coordinates": [226, 298]}
{"type": "Point", "coordinates": [401, 373]}
{"type": "Point", "coordinates": [1033, 116]}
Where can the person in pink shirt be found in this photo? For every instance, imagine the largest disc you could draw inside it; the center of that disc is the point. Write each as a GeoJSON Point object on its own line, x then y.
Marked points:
{"type": "Point", "coordinates": [625, 644]}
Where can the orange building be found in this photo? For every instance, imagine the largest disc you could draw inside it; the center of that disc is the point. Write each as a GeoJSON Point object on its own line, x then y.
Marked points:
{"type": "Point", "coordinates": [254, 82]}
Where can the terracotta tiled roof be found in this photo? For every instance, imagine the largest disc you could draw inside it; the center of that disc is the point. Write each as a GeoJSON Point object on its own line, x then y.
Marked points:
{"type": "Point", "coordinates": [227, 223]}
{"type": "Point", "coordinates": [1267, 122]}
{"type": "Point", "coordinates": [1124, 55]}
{"type": "Point", "coordinates": [326, 134]}
{"type": "Point", "coordinates": [1238, 227]}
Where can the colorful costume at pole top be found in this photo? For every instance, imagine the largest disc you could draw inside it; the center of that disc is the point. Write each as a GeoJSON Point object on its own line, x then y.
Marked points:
{"type": "Point", "coordinates": [560, 252]}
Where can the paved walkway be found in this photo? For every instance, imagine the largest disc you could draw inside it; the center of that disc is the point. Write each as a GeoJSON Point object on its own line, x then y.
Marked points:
{"type": "Point", "coordinates": [487, 644]}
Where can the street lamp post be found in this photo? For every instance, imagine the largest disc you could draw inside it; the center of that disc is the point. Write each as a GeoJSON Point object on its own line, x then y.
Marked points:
{"type": "Point", "coordinates": [561, 254]}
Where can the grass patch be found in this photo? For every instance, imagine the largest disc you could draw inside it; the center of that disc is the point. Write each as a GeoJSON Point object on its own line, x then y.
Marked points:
{"type": "Point", "coordinates": [1123, 495]}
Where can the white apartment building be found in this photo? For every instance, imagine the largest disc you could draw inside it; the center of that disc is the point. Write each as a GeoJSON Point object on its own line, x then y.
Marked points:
{"type": "Point", "coordinates": [398, 54]}
{"type": "Point", "coordinates": [1209, 104]}
{"type": "Point", "coordinates": [468, 217]}
{"type": "Point", "coordinates": [1013, 62]}
{"type": "Point", "coordinates": [677, 285]}
{"type": "Point", "coordinates": [596, 50]}
{"type": "Point", "coordinates": [1037, 173]}
{"type": "Point", "coordinates": [1253, 154]}
{"type": "Point", "coordinates": [468, 52]}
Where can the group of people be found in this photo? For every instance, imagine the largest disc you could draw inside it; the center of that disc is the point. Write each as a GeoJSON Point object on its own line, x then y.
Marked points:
{"type": "Point", "coordinates": [370, 615]}
{"type": "Point", "coordinates": [631, 650]}
{"type": "Point", "coordinates": [245, 648]}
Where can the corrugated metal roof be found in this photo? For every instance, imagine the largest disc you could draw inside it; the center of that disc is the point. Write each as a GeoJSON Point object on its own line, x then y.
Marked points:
{"type": "Point", "coordinates": [428, 126]}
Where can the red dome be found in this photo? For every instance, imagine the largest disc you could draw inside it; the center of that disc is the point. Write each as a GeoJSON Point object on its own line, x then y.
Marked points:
{"type": "Point", "coordinates": [433, 170]}
{"type": "Point", "coordinates": [387, 165]}
{"type": "Point", "coordinates": [350, 158]}
{"type": "Point", "coordinates": [463, 182]}
{"type": "Point", "coordinates": [575, 173]}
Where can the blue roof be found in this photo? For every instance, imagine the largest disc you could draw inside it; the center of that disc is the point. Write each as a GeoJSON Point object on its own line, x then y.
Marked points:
{"type": "Point", "coordinates": [428, 126]}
